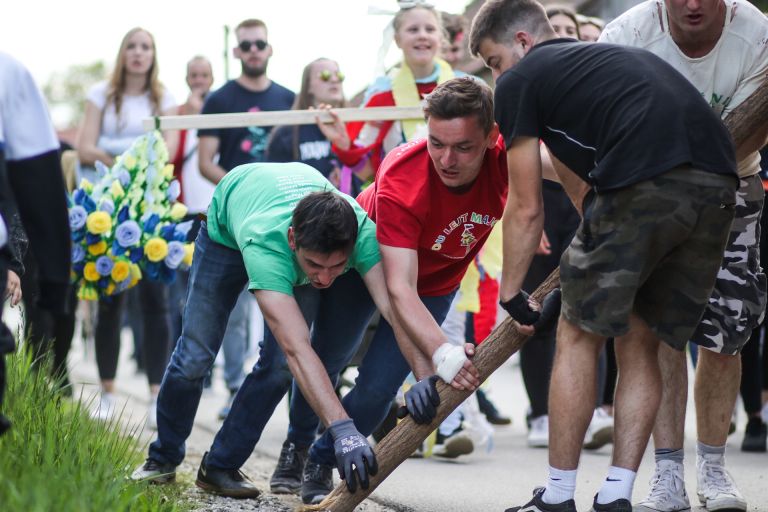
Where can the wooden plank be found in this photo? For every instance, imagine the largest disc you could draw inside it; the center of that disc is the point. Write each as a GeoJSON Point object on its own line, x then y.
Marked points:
{"type": "Point", "coordinates": [280, 117]}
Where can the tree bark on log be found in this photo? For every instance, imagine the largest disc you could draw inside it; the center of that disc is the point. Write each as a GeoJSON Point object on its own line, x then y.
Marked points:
{"type": "Point", "coordinates": [504, 341]}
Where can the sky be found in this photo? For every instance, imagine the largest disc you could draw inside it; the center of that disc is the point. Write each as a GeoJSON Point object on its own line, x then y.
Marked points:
{"type": "Point", "coordinates": [48, 36]}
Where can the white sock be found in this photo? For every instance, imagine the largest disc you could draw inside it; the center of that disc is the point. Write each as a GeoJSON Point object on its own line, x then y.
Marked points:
{"type": "Point", "coordinates": [618, 485]}
{"type": "Point", "coordinates": [561, 486]}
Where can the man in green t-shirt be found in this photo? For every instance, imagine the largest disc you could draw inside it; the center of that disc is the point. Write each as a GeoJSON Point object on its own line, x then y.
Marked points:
{"type": "Point", "coordinates": [310, 256]}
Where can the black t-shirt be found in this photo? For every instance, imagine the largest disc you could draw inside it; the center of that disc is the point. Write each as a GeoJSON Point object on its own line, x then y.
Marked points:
{"type": "Point", "coordinates": [239, 146]}
{"type": "Point", "coordinates": [615, 115]}
{"type": "Point", "coordinates": [311, 148]}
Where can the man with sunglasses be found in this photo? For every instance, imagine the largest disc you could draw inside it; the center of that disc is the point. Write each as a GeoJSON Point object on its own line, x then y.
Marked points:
{"type": "Point", "coordinates": [252, 91]}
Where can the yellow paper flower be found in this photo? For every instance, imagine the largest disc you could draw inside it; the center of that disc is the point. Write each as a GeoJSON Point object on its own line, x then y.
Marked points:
{"type": "Point", "coordinates": [87, 293]}
{"type": "Point", "coordinates": [110, 289]}
{"type": "Point", "coordinates": [98, 222]}
{"type": "Point", "coordinates": [189, 251]}
{"type": "Point", "coordinates": [86, 185]}
{"type": "Point", "coordinates": [156, 249]}
{"type": "Point", "coordinates": [90, 273]}
{"type": "Point", "coordinates": [121, 271]}
{"type": "Point", "coordinates": [168, 171]}
{"type": "Point", "coordinates": [117, 190]}
{"type": "Point", "coordinates": [178, 211]}
{"type": "Point", "coordinates": [98, 248]}
{"type": "Point", "coordinates": [129, 161]}
{"type": "Point", "coordinates": [135, 275]}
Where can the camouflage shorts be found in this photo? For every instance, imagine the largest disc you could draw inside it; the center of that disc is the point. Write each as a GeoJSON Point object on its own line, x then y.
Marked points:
{"type": "Point", "coordinates": [652, 249]}
{"type": "Point", "coordinates": [737, 304]}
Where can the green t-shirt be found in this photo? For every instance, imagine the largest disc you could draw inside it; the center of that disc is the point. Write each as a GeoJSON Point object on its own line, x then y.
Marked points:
{"type": "Point", "coordinates": [251, 211]}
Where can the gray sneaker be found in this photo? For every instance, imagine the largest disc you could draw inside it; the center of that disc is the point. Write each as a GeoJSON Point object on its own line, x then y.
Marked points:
{"type": "Point", "coordinates": [154, 472]}
{"type": "Point", "coordinates": [286, 478]}
{"type": "Point", "coordinates": [316, 482]}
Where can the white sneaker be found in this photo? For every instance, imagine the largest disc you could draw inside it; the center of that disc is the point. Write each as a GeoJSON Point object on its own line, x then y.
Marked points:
{"type": "Point", "coordinates": [600, 430]}
{"type": "Point", "coordinates": [667, 492]}
{"type": "Point", "coordinates": [104, 409]}
{"type": "Point", "coordinates": [538, 435]}
{"type": "Point", "coordinates": [716, 488]}
{"type": "Point", "coordinates": [152, 414]}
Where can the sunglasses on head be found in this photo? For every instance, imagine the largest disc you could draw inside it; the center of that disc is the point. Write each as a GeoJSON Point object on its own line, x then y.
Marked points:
{"type": "Point", "coordinates": [245, 46]}
{"type": "Point", "coordinates": [326, 75]}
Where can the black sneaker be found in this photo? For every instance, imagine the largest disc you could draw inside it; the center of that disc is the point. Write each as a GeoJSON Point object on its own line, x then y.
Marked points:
{"type": "Point", "coordinates": [755, 436]}
{"type": "Point", "coordinates": [316, 482]}
{"type": "Point", "coordinates": [225, 482]}
{"type": "Point", "coordinates": [620, 505]}
{"type": "Point", "coordinates": [154, 472]}
{"type": "Point", "coordinates": [537, 505]}
{"type": "Point", "coordinates": [286, 478]}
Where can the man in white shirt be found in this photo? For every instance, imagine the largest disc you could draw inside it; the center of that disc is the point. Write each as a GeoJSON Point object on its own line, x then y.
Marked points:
{"type": "Point", "coordinates": [721, 46]}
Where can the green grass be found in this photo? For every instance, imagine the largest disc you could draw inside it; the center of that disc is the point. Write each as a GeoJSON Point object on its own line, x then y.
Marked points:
{"type": "Point", "coordinates": [56, 458]}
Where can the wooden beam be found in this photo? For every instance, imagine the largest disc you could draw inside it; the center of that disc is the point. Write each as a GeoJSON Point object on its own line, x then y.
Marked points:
{"type": "Point", "coordinates": [279, 117]}
{"type": "Point", "coordinates": [403, 440]}
{"type": "Point", "coordinates": [504, 341]}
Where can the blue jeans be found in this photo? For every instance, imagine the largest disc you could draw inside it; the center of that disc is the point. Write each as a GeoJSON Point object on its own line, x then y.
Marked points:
{"type": "Point", "coordinates": [380, 375]}
{"type": "Point", "coordinates": [216, 279]}
{"type": "Point", "coordinates": [339, 316]}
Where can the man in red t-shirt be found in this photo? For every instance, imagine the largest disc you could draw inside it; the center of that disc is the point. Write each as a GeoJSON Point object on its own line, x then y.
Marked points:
{"type": "Point", "coordinates": [434, 202]}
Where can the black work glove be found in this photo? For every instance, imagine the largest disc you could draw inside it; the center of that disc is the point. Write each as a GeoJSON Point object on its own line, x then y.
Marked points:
{"type": "Point", "coordinates": [519, 309]}
{"type": "Point", "coordinates": [421, 401]}
{"type": "Point", "coordinates": [550, 311]}
{"type": "Point", "coordinates": [352, 449]}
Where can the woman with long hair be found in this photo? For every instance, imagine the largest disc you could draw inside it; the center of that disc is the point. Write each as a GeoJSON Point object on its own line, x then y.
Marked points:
{"type": "Point", "coordinates": [419, 34]}
{"type": "Point", "coordinates": [114, 111]}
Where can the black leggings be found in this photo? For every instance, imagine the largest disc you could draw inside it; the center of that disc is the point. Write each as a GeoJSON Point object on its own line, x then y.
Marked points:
{"type": "Point", "coordinates": [153, 297]}
{"type": "Point", "coordinates": [560, 223]}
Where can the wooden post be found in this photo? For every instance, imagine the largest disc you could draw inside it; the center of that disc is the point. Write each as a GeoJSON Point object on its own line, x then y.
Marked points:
{"type": "Point", "coordinates": [504, 341]}
{"type": "Point", "coordinates": [403, 440]}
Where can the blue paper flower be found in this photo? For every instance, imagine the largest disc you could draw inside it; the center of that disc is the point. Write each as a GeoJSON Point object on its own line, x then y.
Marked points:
{"type": "Point", "coordinates": [77, 217]}
{"type": "Point", "coordinates": [78, 253]}
{"type": "Point", "coordinates": [107, 205]}
{"type": "Point", "coordinates": [89, 204]}
{"type": "Point", "coordinates": [182, 230]}
{"type": "Point", "coordinates": [167, 231]}
{"type": "Point", "coordinates": [101, 169]}
{"type": "Point", "coordinates": [175, 254]}
{"type": "Point", "coordinates": [128, 233]}
{"type": "Point", "coordinates": [150, 222]}
{"type": "Point", "coordinates": [123, 215]}
{"type": "Point", "coordinates": [91, 239]}
{"type": "Point", "coordinates": [104, 265]}
{"type": "Point", "coordinates": [136, 254]}
{"type": "Point", "coordinates": [174, 190]}
{"type": "Point", "coordinates": [153, 270]}
{"type": "Point", "coordinates": [124, 177]}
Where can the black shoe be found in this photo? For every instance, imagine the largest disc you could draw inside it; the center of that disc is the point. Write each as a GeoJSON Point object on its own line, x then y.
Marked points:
{"type": "Point", "coordinates": [5, 424]}
{"type": "Point", "coordinates": [225, 482]}
{"type": "Point", "coordinates": [620, 505]}
{"type": "Point", "coordinates": [286, 478]}
{"type": "Point", "coordinates": [537, 505]}
{"type": "Point", "coordinates": [755, 436]}
{"type": "Point", "coordinates": [154, 472]}
{"type": "Point", "coordinates": [316, 482]}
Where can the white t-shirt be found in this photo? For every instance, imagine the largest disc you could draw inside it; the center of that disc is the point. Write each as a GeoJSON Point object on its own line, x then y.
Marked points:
{"type": "Point", "coordinates": [198, 191]}
{"type": "Point", "coordinates": [726, 76]}
{"type": "Point", "coordinates": [25, 125]}
{"type": "Point", "coordinates": [117, 133]}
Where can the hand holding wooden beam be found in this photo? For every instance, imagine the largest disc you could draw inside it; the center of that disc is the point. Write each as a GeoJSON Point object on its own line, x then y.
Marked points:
{"type": "Point", "coordinates": [280, 117]}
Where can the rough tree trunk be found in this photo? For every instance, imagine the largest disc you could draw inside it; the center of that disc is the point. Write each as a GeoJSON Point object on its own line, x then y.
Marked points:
{"type": "Point", "coordinates": [504, 341]}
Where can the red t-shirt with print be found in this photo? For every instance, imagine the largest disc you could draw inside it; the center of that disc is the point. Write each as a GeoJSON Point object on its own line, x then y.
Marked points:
{"type": "Point", "coordinates": [413, 209]}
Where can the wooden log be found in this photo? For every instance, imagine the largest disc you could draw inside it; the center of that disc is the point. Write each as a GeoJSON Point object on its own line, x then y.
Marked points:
{"type": "Point", "coordinates": [403, 440]}
{"type": "Point", "coordinates": [504, 341]}
{"type": "Point", "coordinates": [279, 117]}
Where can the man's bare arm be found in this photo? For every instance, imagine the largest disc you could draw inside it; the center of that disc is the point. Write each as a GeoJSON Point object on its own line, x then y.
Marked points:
{"type": "Point", "coordinates": [207, 147]}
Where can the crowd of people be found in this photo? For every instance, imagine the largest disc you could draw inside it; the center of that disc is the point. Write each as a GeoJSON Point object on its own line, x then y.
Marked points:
{"type": "Point", "coordinates": [400, 244]}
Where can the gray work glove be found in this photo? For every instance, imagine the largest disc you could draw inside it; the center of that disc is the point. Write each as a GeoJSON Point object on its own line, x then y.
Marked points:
{"type": "Point", "coordinates": [352, 451]}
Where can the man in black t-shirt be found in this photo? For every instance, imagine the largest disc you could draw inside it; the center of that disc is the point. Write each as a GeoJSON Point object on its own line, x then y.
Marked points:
{"type": "Point", "coordinates": [653, 170]}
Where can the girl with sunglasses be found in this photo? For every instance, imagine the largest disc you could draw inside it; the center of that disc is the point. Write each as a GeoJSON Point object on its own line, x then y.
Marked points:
{"type": "Point", "coordinates": [418, 32]}
{"type": "Point", "coordinates": [321, 87]}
